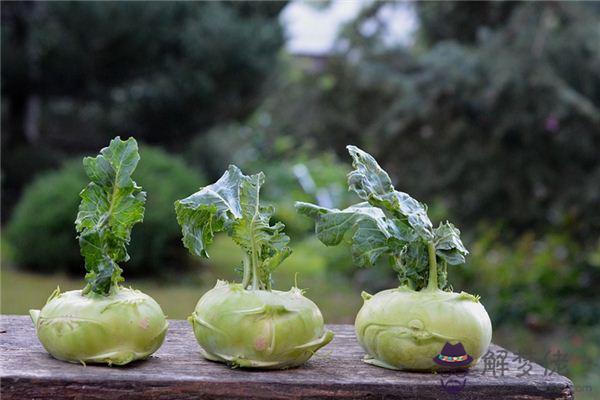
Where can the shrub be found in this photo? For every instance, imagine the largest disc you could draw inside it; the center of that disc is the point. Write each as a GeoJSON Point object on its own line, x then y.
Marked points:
{"type": "Point", "coordinates": [41, 228]}
{"type": "Point", "coordinates": [541, 280]}
{"type": "Point", "coordinates": [42, 233]}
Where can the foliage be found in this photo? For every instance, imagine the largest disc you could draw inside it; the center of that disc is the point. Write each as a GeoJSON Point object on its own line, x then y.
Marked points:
{"type": "Point", "coordinates": [541, 280]}
{"type": "Point", "coordinates": [450, 21]}
{"type": "Point", "coordinates": [403, 328]}
{"type": "Point", "coordinates": [147, 79]}
{"type": "Point", "coordinates": [165, 178]}
{"type": "Point", "coordinates": [165, 70]}
{"type": "Point", "coordinates": [110, 205]}
{"type": "Point", "coordinates": [295, 328]}
{"type": "Point", "coordinates": [232, 204]}
{"type": "Point", "coordinates": [389, 224]}
{"type": "Point", "coordinates": [295, 174]}
{"type": "Point", "coordinates": [495, 119]}
{"type": "Point", "coordinates": [41, 228]}
{"type": "Point", "coordinates": [504, 123]}
{"type": "Point", "coordinates": [302, 177]}
{"type": "Point", "coordinates": [104, 322]}
{"type": "Point", "coordinates": [20, 165]}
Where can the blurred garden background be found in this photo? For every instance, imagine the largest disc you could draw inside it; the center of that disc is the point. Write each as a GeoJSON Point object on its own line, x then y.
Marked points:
{"type": "Point", "coordinates": [488, 112]}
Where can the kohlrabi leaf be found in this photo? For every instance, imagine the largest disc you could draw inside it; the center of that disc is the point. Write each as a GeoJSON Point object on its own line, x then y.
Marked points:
{"type": "Point", "coordinates": [110, 205]}
{"type": "Point", "coordinates": [371, 183]}
{"type": "Point", "coordinates": [252, 230]}
{"type": "Point", "coordinates": [448, 245]}
{"type": "Point", "coordinates": [232, 204]}
{"type": "Point", "coordinates": [389, 223]}
{"type": "Point", "coordinates": [212, 209]}
{"type": "Point", "coordinates": [373, 233]}
{"type": "Point", "coordinates": [368, 179]}
{"type": "Point", "coordinates": [413, 266]}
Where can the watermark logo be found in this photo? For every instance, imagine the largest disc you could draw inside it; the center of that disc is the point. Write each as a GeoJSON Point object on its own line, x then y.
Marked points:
{"type": "Point", "coordinates": [498, 363]}
{"type": "Point", "coordinates": [453, 383]}
{"type": "Point", "coordinates": [453, 355]}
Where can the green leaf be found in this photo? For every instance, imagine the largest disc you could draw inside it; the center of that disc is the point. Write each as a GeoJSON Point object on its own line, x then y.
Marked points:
{"type": "Point", "coordinates": [448, 245]}
{"type": "Point", "coordinates": [368, 179]}
{"type": "Point", "coordinates": [252, 230]}
{"type": "Point", "coordinates": [371, 183]}
{"type": "Point", "coordinates": [388, 223]}
{"type": "Point", "coordinates": [373, 233]}
{"type": "Point", "coordinates": [413, 268]}
{"type": "Point", "coordinates": [110, 205]}
{"type": "Point", "coordinates": [277, 258]}
{"type": "Point", "coordinates": [212, 209]}
{"type": "Point", "coordinates": [232, 204]}
{"type": "Point", "coordinates": [369, 242]}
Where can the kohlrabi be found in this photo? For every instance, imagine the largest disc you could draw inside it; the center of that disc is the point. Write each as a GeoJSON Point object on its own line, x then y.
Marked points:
{"type": "Point", "coordinates": [104, 322]}
{"type": "Point", "coordinates": [248, 324]}
{"type": "Point", "coordinates": [421, 325]}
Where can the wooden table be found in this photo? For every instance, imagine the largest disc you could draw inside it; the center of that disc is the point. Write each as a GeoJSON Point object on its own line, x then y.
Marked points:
{"type": "Point", "coordinates": [177, 371]}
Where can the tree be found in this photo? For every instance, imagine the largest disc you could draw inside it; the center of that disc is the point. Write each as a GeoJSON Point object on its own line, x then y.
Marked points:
{"type": "Point", "coordinates": [75, 74]}
{"type": "Point", "coordinates": [499, 120]}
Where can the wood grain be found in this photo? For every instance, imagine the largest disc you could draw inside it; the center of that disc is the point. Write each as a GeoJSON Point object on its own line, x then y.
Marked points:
{"type": "Point", "coordinates": [177, 371]}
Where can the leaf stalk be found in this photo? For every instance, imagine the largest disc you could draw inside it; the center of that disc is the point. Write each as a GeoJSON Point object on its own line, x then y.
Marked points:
{"type": "Point", "coordinates": [246, 277]}
{"type": "Point", "coordinates": [432, 283]}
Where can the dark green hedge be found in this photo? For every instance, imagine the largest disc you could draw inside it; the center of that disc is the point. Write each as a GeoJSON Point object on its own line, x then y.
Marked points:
{"type": "Point", "coordinates": [43, 235]}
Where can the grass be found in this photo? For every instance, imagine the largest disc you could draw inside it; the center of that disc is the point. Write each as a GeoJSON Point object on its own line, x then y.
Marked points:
{"type": "Point", "coordinates": [338, 299]}
{"type": "Point", "coordinates": [22, 291]}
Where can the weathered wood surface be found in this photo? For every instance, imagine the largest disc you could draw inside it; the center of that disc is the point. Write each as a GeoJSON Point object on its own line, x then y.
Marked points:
{"type": "Point", "coordinates": [177, 371]}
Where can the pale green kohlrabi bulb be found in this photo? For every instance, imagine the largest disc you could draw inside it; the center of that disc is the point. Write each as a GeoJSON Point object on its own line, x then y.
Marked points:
{"type": "Point", "coordinates": [258, 328]}
{"type": "Point", "coordinates": [121, 327]}
{"type": "Point", "coordinates": [406, 329]}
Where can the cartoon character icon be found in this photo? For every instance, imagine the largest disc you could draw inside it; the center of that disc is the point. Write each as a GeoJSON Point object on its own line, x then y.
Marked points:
{"type": "Point", "coordinates": [453, 355]}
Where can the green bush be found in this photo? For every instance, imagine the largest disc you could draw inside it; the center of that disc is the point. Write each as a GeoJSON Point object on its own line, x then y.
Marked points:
{"type": "Point", "coordinates": [41, 229]}
{"type": "Point", "coordinates": [543, 281]}
{"type": "Point", "coordinates": [42, 233]}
